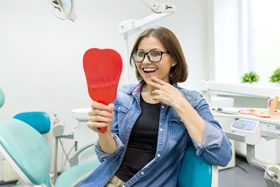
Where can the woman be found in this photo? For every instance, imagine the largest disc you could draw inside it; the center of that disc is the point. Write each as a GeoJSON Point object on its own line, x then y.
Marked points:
{"type": "Point", "coordinates": [151, 123]}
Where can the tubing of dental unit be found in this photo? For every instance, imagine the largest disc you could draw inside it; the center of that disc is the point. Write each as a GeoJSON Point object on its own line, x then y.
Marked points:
{"type": "Point", "coordinates": [57, 121]}
{"type": "Point", "coordinates": [58, 126]}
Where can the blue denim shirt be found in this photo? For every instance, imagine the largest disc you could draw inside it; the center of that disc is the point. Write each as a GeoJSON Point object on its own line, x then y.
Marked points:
{"type": "Point", "coordinates": [173, 139]}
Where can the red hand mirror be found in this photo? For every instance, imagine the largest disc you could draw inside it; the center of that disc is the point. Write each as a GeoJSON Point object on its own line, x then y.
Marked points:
{"type": "Point", "coordinates": [102, 68]}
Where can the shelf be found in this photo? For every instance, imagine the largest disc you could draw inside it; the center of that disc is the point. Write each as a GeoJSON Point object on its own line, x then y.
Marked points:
{"type": "Point", "coordinates": [241, 89]}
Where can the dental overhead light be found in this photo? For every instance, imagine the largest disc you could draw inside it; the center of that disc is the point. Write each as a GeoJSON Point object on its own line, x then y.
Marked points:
{"type": "Point", "coordinates": [64, 9]}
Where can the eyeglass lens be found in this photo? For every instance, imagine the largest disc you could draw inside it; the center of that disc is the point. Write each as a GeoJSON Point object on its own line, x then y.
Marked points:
{"type": "Point", "coordinates": [153, 56]}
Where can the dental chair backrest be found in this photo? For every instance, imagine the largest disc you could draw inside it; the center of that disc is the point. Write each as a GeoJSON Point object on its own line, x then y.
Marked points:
{"type": "Point", "coordinates": [2, 97]}
{"type": "Point", "coordinates": [196, 172]}
{"type": "Point", "coordinates": [31, 118]}
{"type": "Point", "coordinates": [26, 150]}
{"type": "Point", "coordinates": [40, 121]}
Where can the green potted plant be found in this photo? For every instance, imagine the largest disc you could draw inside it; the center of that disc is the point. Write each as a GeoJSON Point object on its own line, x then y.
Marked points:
{"type": "Point", "coordinates": [275, 77]}
{"type": "Point", "coordinates": [250, 77]}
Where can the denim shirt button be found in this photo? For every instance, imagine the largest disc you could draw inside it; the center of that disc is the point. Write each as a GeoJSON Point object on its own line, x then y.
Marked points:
{"type": "Point", "coordinates": [161, 129]}
{"type": "Point", "coordinates": [158, 155]}
{"type": "Point", "coordinates": [142, 172]}
{"type": "Point", "coordinates": [162, 106]}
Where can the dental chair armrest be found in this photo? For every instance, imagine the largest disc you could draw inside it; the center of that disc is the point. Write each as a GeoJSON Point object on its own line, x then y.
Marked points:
{"type": "Point", "coordinates": [73, 175]}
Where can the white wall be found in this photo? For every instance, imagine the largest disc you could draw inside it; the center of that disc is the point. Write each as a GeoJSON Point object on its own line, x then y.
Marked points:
{"type": "Point", "coordinates": [224, 40]}
{"type": "Point", "coordinates": [41, 56]}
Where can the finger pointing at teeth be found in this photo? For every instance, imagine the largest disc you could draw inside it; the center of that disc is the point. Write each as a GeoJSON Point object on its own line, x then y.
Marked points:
{"type": "Point", "coordinates": [165, 92]}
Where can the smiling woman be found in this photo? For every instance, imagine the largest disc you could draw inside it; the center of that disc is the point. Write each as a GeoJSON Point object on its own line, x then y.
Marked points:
{"type": "Point", "coordinates": [155, 64]}
{"type": "Point", "coordinates": [165, 47]}
{"type": "Point", "coordinates": [151, 123]}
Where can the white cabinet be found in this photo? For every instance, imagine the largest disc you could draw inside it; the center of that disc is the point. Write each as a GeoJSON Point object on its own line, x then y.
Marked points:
{"type": "Point", "coordinates": [247, 96]}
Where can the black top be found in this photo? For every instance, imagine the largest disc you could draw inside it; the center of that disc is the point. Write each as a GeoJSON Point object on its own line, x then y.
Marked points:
{"type": "Point", "coordinates": [142, 144]}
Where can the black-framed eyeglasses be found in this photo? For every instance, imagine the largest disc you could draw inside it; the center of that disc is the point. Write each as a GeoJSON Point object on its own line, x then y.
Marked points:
{"type": "Point", "coordinates": [153, 56]}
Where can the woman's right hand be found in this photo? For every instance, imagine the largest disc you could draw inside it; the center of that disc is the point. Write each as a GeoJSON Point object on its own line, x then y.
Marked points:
{"type": "Point", "coordinates": [100, 116]}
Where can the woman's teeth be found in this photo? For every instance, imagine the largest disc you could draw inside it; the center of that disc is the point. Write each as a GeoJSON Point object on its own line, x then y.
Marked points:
{"type": "Point", "coordinates": [149, 70]}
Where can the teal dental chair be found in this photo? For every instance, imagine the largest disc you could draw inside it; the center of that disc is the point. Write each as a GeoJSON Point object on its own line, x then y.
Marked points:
{"type": "Point", "coordinates": [196, 172]}
{"type": "Point", "coordinates": [29, 154]}
{"type": "Point", "coordinates": [33, 117]}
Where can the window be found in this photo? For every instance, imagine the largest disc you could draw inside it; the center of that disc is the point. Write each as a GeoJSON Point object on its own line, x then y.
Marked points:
{"type": "Point", "coordinates": [261, 37]}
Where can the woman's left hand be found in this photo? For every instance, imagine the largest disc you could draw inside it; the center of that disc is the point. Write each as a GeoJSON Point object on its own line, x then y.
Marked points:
{"type": "Point", "coordinates": [165, 92]}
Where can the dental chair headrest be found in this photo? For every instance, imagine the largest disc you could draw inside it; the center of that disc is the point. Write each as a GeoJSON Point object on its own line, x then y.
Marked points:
{"type": "Point", "coordinates": [2, 98]}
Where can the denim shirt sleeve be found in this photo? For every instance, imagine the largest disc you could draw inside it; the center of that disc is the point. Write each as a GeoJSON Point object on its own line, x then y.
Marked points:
{"type": "Point", "coordinates": [211, 137]}
{"type": "Point", "coordinates": [214, 143]}
{"type": "Point", "coordinates": [101, 155]}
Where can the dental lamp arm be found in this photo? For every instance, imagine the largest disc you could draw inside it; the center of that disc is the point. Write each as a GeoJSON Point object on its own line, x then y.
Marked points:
{"type": "Point", "coordinates": [161, 11]}
{"type": "Point", "coordinates": [130, 25]}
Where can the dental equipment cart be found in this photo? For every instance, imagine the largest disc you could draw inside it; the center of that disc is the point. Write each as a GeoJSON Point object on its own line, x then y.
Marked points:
{"type": "Point", "coordinates": [250, 129]}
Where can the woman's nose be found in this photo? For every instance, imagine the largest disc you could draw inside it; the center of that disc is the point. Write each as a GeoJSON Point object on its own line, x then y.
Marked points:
{"type": "Point", "coordinates": [146, 59]}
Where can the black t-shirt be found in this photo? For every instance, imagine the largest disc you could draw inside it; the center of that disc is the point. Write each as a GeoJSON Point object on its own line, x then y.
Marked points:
{"type": "Point", "coordinates": [142, 144]}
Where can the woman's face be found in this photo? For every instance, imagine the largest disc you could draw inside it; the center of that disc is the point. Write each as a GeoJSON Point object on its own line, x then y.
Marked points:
{"type": "Point", "coordinates": [159, 69]}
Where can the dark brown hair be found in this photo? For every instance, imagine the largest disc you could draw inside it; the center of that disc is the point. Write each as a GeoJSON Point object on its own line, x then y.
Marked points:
{"type": "Point", "coordinates": [179, 72]}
